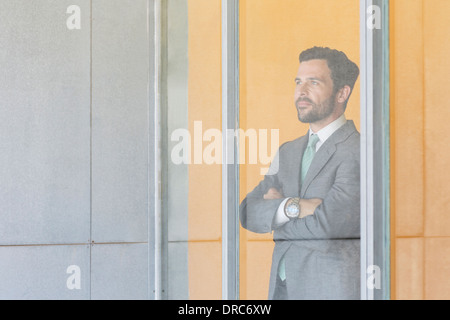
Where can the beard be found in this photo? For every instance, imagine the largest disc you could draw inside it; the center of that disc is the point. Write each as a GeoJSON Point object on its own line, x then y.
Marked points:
{"type": "Point", "coordinates": [316, 112]}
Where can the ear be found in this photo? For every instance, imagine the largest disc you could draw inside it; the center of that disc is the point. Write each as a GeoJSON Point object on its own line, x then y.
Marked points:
{"type": "Point", "coordinates": [343, 94]}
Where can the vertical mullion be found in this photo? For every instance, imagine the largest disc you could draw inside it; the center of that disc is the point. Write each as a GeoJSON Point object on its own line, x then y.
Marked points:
{"type": "Point", "coordinates": [230, 167]}
{"type": "Point", "coordinates": [90, 151]}
{"type": "Point", "coordinates": [366, 149]}
{"type": "Point", "coordinates": [381, 151]}
{"type": "Point", "coordinates": [153, 156]}
{"type": "Point", "coordinates": [155, 213]}
{"type": "Point", "coordinates": [374, 152]}
{"type": "Point", "coordinates": [386, 155]}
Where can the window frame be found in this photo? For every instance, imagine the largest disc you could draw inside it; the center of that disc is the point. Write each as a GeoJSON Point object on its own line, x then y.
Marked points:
{"type": "Point", "coordinates": [375, 155]}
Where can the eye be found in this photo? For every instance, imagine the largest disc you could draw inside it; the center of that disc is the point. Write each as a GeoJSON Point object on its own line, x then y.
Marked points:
{"type": "Point", "coordinates": [297, 82]}
{"type": "Point", "coordinates": [314, 83]}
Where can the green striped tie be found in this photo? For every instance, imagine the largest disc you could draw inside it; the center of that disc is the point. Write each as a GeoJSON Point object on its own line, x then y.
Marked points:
{"type": "Point", "coordinates": [308, 155]}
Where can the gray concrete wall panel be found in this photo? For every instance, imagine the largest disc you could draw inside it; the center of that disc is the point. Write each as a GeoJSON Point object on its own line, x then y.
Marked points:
{"type": "Point", "coordinates": [120, 128]}
{"type": "Point", "coordinates": [45, 112]}
{"type": "Point", "coordinates": [120, 271]}
{"type": "Point", "coordinates": [44, 272]}
{"type": "Point", "coordinates": [74, 149]}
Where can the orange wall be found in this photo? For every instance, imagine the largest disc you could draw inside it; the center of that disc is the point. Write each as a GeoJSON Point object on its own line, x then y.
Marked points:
{"type": "Point", "coordinates": [204, 100]}
{"type": "Point", "coordinates": [420, 229]}
{"type": "Point", "coordinates": [273, 32]}
{"type": "Point", "coordinates": [272, 35]}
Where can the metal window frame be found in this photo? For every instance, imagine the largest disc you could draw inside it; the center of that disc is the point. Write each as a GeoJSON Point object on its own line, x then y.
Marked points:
{"type": "Point", "coordinates": [157, 222]}
{"type": "Point", "coordinates": [375, 170]}
{"type": "Point", "coordinates": [154, 172]}
{"type": "Point", "coordinates": [230, 149]}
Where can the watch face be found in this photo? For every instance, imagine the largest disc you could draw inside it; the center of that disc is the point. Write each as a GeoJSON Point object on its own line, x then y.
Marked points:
{"type": "Point", "coordinates": [292, 211]}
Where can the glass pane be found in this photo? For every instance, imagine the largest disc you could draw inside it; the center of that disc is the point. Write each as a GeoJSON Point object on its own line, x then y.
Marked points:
{"type": "Point", "coordinates": [193, 194]}
{"type": "Point", "coordinates": [320, 251]}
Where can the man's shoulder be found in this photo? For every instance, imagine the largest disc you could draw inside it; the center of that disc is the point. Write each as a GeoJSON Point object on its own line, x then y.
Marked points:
{"type": "Point", "coordinates": [347, 136]}
{"type": "Point", "coordinates": [293, 144]}
{"type": "Point", "coordinates": [350, 142]}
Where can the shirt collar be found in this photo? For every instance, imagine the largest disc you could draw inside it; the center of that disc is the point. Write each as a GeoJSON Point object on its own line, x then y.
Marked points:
{"type": "Point", "coordinates": [327, 131]}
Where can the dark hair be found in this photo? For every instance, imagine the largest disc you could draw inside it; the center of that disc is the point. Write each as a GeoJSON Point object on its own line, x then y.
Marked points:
{"type": "Point", "coordinates": [343, 71]}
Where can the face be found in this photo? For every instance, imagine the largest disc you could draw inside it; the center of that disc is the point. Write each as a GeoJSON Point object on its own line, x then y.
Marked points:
{"type": "Point", "coordinates": [314, 98]}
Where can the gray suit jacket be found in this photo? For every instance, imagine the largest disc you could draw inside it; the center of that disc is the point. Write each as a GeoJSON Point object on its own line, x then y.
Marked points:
{"type": "Point", "coordinates": [322, 251]}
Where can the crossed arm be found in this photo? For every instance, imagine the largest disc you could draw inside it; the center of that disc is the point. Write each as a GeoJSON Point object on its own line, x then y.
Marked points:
{"type": "Point", "coordinates": [259, 209]}
{"type": "Point", "coordinates": [334, 216]}
{"type": "Point", "coordinates": [307, 206]}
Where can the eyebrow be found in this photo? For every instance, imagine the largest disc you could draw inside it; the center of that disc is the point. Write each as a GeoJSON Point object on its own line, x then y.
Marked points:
{"type": "Point", "coordinates": [311, 78]}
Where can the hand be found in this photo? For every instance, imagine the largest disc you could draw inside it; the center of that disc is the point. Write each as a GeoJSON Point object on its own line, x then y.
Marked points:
{"type": "Point", "coordinates": [273, 194]}
{"type": "Point", "coordinates": [308, 206]}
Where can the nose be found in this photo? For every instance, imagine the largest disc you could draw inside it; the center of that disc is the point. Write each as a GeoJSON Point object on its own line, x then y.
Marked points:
{"type": "Point", "coordinates": [301, 90]}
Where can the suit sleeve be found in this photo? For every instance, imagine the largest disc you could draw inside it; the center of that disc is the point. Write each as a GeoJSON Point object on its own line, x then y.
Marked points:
{"type": "Point", "coordinates": [338, 217]}
{"type": "Point", "coordinates": [257, 214]}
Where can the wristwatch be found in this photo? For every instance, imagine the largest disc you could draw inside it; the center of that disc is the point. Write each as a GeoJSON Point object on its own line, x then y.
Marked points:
{"type": "Point", "coordinates": [292, 208]}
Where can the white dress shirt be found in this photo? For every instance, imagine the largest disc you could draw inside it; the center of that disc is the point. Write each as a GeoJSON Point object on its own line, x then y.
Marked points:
{"type": "Point", "coordinates": [323, 134]}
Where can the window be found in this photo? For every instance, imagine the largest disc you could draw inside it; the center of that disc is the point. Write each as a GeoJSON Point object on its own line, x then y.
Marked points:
{"type": "Point", "coordinates": [225, 90]}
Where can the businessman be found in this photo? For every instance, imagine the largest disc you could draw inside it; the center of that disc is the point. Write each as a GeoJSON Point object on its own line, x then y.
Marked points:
{"type": "Point", "coordinates": [311, 201]}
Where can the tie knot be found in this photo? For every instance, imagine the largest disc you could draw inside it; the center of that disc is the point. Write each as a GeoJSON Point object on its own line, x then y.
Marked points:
{"type": "Point", "coordinates": [313, 139]}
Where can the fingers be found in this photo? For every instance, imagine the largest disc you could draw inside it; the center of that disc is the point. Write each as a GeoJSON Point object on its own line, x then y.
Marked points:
{"type": "Point", "coordinates": [316, 201]}
{"type": "Point", "coordinates": [308, 206]}
{"type": "Point", "coordinates": [272, 193]}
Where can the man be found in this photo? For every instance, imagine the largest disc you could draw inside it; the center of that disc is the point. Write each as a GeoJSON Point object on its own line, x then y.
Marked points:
{"type": "Point", "coordinates": [312, 202]}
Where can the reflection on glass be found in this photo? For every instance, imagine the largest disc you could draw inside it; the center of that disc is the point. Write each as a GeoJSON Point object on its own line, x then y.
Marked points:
{"type": "Point", "coordinates": [302, 219]}
{"type": "Point", "coordinates": [318, 251]}
{"type": "Point", "coordinates": [194, 266]}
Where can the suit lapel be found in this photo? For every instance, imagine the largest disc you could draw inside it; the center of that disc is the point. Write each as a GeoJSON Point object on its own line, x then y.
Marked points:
{"type": "Point", "coordinates": [291, 168]}
{"type": "Point", "coordinates": [324, 154]}
{"type": "Point", "coordinates": [320, 160]}
{"type": "Point", "coordinates": [297, 174]}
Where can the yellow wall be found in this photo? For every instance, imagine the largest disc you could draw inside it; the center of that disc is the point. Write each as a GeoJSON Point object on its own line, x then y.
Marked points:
{"type": "Point", "coordinates": [419, 107]}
